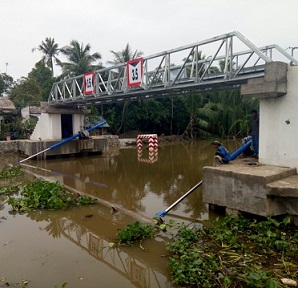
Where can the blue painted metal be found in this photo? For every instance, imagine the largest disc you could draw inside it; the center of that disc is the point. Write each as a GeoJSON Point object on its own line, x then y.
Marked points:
{"type": "Point", "coordinates": [76, 135]}
{"type": "Point", "coordinates": [241, 149]}
{"type": "Point", "coordinates": [63, 141]}
{"type": "Point", "coordinates": [230, 157]}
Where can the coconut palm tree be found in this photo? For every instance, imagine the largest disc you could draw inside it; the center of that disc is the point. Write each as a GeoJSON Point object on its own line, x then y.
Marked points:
{"type": "Point", "coordinates": [79, 59]}
{"type": "Point", "coordinates": [124, 55]}
{"type": "Point", "coordinates": [50, 51]}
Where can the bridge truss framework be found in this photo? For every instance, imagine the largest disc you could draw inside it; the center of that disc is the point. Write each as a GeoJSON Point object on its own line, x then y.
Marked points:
{"type": "Point", "coordinates": [232, 61]}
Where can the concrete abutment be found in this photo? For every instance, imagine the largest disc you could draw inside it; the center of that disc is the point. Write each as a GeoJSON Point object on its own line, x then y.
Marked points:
{"type": "Point", "coordinates": [242, 187]}
{"type": "Point", "coordinates": [104, 145]}
{"type": "Point", "coordinates": [270, 187]}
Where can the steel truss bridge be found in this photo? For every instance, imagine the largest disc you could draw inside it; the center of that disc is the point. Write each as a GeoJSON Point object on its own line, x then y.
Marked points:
{"type": "Point", "coordinates": [231, 61]}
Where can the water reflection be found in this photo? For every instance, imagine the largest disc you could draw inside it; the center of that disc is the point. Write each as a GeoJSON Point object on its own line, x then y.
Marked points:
{"type": "Point", "coordinates": [123, 181]}
{"type": "Point", "coordinates": [152, 156]}
{"type": "Point", "coordinates": [139, 186]}
{"type": "Point", "coordinates": [93, 235]}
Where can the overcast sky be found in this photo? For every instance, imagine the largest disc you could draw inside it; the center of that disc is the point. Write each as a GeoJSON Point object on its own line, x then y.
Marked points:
{"type": "Point", "coordinates": [150, 26]}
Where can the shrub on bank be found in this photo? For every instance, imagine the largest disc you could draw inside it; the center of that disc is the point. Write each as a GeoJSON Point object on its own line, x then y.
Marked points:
{"type": "Point", "coordinates": [234, 253]}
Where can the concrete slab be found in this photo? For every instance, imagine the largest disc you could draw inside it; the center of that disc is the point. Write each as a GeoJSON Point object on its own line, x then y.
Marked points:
{"type": "Point", "coordinates": [250, 169]}
{"type": "Point", "coordinates": [243, 185]}
{"type": "Point", "coordinates": [287, 187]}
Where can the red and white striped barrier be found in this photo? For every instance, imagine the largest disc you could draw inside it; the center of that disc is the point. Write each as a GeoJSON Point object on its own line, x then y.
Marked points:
{"type": "Point", "coordinates": [152, 141]}
{"type": "Point", "coordinates": [153, 147]}
{"type": "Point", "coordinates": [153, 156]}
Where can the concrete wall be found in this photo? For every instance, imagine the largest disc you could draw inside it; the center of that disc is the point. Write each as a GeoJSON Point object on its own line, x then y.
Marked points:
{"type": "Point", "coordinates": [8, 147]}
{"type": "Point", "coordinates": [279, 125]}
{"type": "Point", "coordinates": [48, 126]}
{"type": "Point", "coordinates": [106, 145]}
{"type": "Point", "coordinates": [242, 187]}
{"type": "Point", "coordinates": [77, 122]}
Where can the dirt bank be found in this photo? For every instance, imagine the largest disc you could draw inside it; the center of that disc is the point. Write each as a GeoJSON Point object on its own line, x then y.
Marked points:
{"type": "Point", "coordinates": [127, 141]}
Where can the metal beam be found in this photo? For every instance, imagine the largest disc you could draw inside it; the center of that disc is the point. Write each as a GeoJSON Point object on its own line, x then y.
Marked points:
{"type": "Point", "coordinates": [167, 78]}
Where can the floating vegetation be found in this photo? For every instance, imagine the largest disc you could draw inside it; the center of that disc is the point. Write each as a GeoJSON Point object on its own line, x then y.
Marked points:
{"type": "Point", "coordinates": [85, 200]}
{"type": "Point", "coordinates": [38, 194]}
{"type": "Point", "coordinates": [11, 172]}
{"type": "Point", "coordinates": [46, 195]}
{"type": "Point", "coordinates": [11, 189]}
{"type": "Point", "coordinates": [235, 252]}
{"type": "Point", "coordinates": [135, 232]}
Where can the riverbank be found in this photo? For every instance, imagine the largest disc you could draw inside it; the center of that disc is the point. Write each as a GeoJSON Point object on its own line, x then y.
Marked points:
{"type": "Point", "coordinates": [129, 141]}
{"type": "Point", "coordinates": [10, 147]}
{"type": "Point", "coordinates": [124, 141]}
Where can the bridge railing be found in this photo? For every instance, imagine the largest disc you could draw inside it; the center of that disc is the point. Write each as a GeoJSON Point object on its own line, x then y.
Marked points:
{"type": "Point", "coordinates": [233, 59]}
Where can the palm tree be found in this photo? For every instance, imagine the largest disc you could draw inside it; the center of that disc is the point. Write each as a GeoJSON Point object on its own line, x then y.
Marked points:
{"type": "Point", "coordinates": [122, 57]}
{"type": "Point", "coordinates": [79, 58]}
{"type": "Point", "coordinates": [50, 51]}
{"type": "Point", "coordinates": [190, 62]}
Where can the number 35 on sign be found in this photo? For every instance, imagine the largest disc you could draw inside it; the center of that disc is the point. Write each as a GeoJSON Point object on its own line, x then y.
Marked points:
{"type": "Point", "coordinates": [135, 72]}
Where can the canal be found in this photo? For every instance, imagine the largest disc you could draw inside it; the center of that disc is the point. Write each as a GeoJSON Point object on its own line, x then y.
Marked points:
{"type": "Point", "coordinates": [49, 248]}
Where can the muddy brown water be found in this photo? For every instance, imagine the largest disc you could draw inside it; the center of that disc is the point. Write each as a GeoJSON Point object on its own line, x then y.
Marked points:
{"type": "Point", "coordinates": [50, 248]}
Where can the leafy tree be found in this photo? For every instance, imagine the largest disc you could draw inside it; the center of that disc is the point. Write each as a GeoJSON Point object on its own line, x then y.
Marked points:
{"type": "Point", "coordinates": [50, 51]}
{"type": "Point", "coordinates": [43, 76]}
{"type": "Point", "coordinates": [25, 93]}
{"type": "Point", "coordinates": [222, 65]}
{"type": "Point", "coordinates": [18, 127]}
{"type": "Point", "coordinates": [6, 82]}
{"type": "Point", "coordinates": [157, 114]}
{"type": "Point", "coordinates": [2, 85]}
{"type": "Point", "coordinates": [191, 59]}
{"type": "Point", "coordinates": [79, 59]}
{"type": "Point", "coordinates": [111, 115]}
{"type": "Point", "coordinates": [150, 115]}
{"type": "Point", "coordinates": [225, 113]}
{"type": "Point", "coordinates": [192, 104]}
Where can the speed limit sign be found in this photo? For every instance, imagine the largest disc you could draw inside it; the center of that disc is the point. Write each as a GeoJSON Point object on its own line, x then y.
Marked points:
{"type": "Point", "coordinates": [135, 72]}
{"type": "Point", "coordinates": [89, 83]}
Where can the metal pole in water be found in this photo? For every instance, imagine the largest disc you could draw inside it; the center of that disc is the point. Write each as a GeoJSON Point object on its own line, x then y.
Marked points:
{"type": "Point", "coordinates": [163, 213]}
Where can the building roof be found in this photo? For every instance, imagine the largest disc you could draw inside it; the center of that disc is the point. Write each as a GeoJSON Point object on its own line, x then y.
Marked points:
{"type": "Point", "coordinates": [6, 104]}
{"type": "Point", "coordinates": [7, 108]}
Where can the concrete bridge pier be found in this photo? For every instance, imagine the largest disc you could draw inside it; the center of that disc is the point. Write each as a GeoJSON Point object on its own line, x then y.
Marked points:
{"type": "Point", "coordinates": [246, 186]}
{"type": "Point", "coordinates": [270, 187]}
{"type": "Point", "coordinates": [56, 123]}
